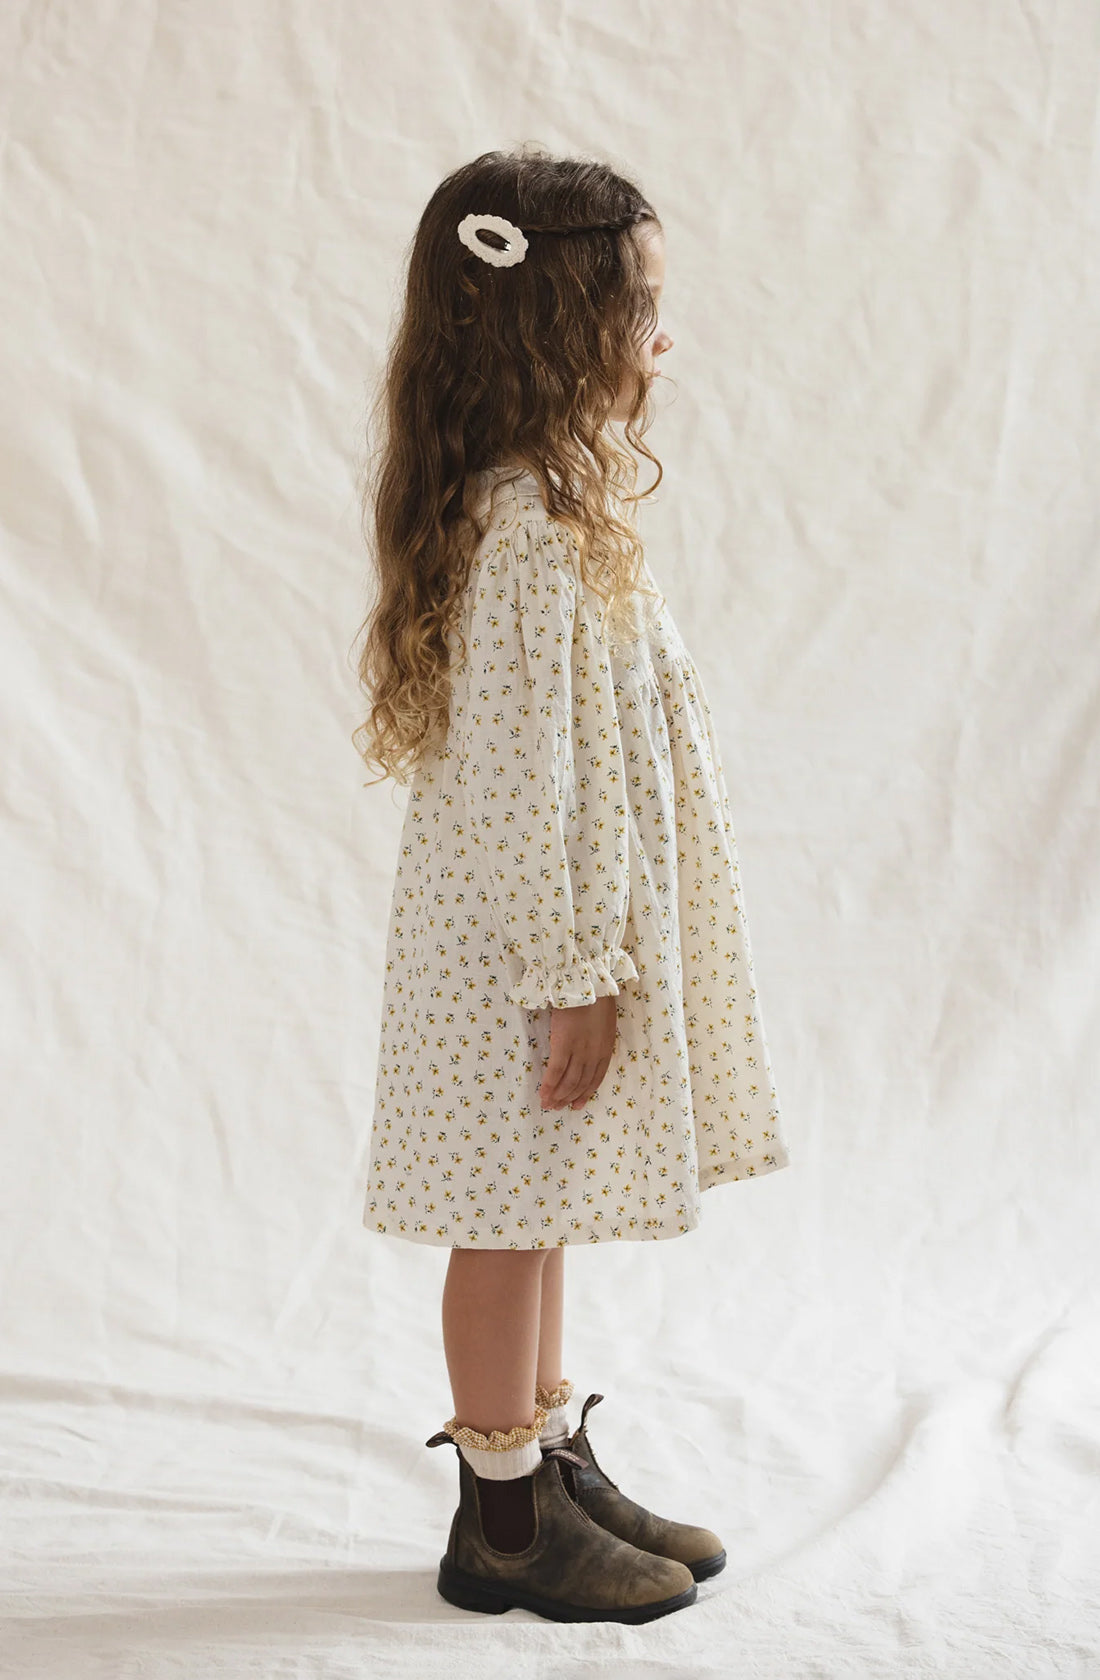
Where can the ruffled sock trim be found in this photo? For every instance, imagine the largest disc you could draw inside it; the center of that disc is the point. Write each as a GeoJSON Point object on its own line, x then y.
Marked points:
{"type": "Point", "coordinates": [501, 1455]}
{"type": "Point", "coordinates": [555, 1431]}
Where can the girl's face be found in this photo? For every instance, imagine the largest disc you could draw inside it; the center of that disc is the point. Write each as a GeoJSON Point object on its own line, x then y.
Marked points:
{"type": "Point", "coordinates": [651, 242]}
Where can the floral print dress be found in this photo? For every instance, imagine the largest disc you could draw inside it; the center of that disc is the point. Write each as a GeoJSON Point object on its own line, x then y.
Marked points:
{"type": "Point", "coordinates": [570, 839]}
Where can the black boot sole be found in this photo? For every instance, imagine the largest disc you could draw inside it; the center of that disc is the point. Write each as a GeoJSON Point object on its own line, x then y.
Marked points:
{"type": "Point", "coordinates": [492, 1598]}
{"type": "Point", "coordinates": [706, 1567]}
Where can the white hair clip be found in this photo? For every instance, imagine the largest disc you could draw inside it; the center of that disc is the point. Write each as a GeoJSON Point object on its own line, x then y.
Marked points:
{"type": "Point", "coordinates": [469, 228]}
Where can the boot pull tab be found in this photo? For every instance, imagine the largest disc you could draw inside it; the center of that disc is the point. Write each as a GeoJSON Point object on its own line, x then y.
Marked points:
{"type": "Point", "coordinates": [563, 1452]}
{"type": "Point", "coordinates": [593, 1400]}
{"type": "Point", "coordinates": [439, 1438]}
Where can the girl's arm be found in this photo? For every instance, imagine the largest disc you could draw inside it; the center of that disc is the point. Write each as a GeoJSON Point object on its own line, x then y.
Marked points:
{"type": "Point", "coordinates": [543, 774]}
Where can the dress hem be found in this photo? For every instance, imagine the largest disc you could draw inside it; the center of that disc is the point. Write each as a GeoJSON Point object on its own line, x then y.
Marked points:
{"type": "Point", "coordinates": [667, 1229]}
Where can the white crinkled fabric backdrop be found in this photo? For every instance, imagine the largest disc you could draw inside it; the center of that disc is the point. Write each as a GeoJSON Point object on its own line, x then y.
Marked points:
{"type": "Point", "coordinates": [875, 1374]}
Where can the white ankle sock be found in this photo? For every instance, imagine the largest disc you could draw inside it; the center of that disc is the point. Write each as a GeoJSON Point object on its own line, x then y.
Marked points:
{"type": "Point", "coordinates": [500, 1457]}
{"type": "Point", "coordinates": [554, 1401]}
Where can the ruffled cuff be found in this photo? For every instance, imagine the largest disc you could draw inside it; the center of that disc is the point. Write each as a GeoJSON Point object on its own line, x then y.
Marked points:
{"type": "Point", "coordinates": [581, 981]}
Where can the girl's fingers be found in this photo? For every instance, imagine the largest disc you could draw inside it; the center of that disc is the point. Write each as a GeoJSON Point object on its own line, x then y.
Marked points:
{"type": "Point", "coordinates": [579, 1081]}
{"type": "Point", "coordinates": [574, 1081]}
{"type": "Point", "coordinates": [589, 1085]}
{"type": "Point", "coordinates": [557, 1080]}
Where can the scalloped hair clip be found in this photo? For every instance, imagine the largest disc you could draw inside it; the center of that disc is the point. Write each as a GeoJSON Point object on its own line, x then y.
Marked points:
{"type": "Point", "coordinates": [471, 226]}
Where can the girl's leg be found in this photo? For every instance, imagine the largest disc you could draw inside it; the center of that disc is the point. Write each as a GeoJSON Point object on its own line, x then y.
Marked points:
{"type": "Point", "coordinates": [492, 1302]}
{"type": "Point", "coordinates": [491, 1306]}
{"type": "Point", "coordinates": [550, 1318]}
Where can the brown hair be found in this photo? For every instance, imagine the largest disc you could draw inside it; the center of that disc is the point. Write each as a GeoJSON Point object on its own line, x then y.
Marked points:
{"type": "Point", "coordinates": [491, 366]}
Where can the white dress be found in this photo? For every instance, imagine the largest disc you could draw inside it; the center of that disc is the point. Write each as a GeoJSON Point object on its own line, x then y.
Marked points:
{"type": "Point", "coordinates": [570, 839]}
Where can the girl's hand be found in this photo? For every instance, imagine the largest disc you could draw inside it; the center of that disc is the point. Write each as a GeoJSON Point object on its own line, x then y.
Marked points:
{"type": "Point", "coordinates": [582, 1040]}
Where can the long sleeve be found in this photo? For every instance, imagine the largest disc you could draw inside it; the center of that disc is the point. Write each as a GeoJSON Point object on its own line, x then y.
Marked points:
{"type": "Point", "coordinates": [542, 773]}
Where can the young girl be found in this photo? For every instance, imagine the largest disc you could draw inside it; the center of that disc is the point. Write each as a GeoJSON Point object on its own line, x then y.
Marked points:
{"type": "Point", "coordinates": [571, 1048]}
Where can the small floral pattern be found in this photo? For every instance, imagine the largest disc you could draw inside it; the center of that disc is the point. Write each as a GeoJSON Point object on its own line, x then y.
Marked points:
{"type": "Point", "coordinates": [570, 839]}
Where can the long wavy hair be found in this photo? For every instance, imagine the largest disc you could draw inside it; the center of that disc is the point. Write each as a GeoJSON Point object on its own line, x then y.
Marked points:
{"type": "Point", "coordinates": [500, 366]}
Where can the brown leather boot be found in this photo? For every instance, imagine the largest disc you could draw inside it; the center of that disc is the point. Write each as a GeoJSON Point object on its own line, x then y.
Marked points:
{"type": "Point", "coordinates": [597, 1495]}
{"type": "Point", "coordinates": [572, 1570]}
